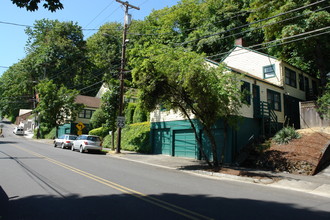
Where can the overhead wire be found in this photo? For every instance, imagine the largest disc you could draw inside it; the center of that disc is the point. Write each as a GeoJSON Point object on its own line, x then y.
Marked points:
{"type": "Point", "coordinates": [258, 21]}
{"type": "Point", "coordinates": [285, 38]}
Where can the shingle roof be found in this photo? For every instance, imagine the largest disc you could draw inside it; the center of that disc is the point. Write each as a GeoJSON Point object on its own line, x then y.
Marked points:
{"type": "Point", "coordinates": [88, 101]}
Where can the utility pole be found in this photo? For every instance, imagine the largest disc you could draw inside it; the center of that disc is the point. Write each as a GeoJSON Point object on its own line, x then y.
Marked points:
{"type": "Point", "coordinates": [122, 70]}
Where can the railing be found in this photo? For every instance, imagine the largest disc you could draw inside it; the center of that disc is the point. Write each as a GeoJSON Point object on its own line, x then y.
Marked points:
{"type": "Point", "coordinates": [269, 119]}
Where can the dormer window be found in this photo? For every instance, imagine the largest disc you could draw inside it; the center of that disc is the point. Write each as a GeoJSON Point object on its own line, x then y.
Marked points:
{"type": "Point", "coordinates": [269, 71]}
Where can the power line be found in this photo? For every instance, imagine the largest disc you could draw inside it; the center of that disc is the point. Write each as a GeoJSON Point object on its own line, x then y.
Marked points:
{"type": "Point", "coordinates": [255, 22]}
{"type": "Point", "coordinates": [285, 38]}
{"type": "Point", "coordinates": [99, 14]}
{"type": "Point", "coordinates": [287, 42]}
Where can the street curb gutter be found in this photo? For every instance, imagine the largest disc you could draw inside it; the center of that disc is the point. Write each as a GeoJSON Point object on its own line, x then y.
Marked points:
{"type": "Point", "coordinates": [283, 183]}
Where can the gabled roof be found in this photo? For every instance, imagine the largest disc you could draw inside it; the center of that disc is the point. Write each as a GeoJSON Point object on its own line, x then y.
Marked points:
{"type": "Point", "coordinates": [244, 73]}
{"type": "Point", "coordinates": [88, 101]}
{"type": "Point", "coordinates": [263, 54]}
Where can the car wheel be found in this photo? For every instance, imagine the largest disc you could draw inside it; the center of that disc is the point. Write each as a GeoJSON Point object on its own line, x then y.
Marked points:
{"type": "Point", "coordinates": [62, 146]}
{"type": "Point", "coordinates": [72, 148]}
{"type": "Point", "coordinates": [81, 149]}
{"type": "Point", "coordinates": [54, 144]}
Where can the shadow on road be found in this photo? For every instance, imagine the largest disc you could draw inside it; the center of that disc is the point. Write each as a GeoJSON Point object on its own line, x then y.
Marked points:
{"type": "Point", "coordinates": [7, 142]}
{"type": "Point", "coordinates": [126, 206]}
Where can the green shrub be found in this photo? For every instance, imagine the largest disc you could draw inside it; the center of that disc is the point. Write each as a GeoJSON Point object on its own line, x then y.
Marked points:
{"type": "Point", "coordinates": [139, 115]}
{"type": "Point", "coordinates": [51, 134]}
{"type": "Point", "coordinates": [129, 112]}
{"type": "Point", "coordinates": [98, 118]}
{"type": "Point", "coordinates": [43, 132]}
{"type": "Point", "coordinates": [107, 141]}
{"type": "Point", "coordinates": [136, 137]}
{"type": "Point", "coordinates": [285, 135]}
{"type": "Point", "coordinates": [101, 131]}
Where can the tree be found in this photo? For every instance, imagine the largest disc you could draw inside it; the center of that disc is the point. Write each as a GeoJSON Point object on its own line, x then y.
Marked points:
{"type": "Point", "coordinates": [310, 53]}
{"type": "Point", "coordinates": [56, 104]}
{"type": "Point", "coordinates": [32, 5]}
{"type": "Point", "coordinates": [58, 51]}
{"type": "Point", "coordinates": [104, 49]}
{"type": "Point", "coordinates": [182, 81]}
{"type": "Point", "coordinates": [110, 107]}
{"type": "Point", "coordinates": [17, 89]}
{"type": "Point", "coordinates": [324, 103]}
{"type": "Point", "coordinates": [97, 119]}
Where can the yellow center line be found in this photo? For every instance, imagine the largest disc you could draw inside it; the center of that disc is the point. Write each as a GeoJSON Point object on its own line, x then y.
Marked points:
{"type": "Point", "coordinates": [160, 203]}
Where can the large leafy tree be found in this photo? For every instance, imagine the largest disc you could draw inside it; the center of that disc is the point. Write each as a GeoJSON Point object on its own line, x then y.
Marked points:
{"type": "Point", "coordinates": [58, 51]}
{"type": "Point", "coordinates": [308, 52]}
{"type": "Point", "coordinates": [17, 89]}
{"type": "Point", "coordinates": [56, 104]}
{"type": "Point", "coordinates": [32, 5]}
{"type": "Point", "coordinates": [104, 49]}
{"type": "Point", "coordinates": [182, 81]}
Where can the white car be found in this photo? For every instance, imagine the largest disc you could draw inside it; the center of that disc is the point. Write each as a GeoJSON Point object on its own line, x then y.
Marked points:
{"type": "Point", "coordinates": [87, 143]}
{"type": "Point", "coordinates": [18, 131]}
{"type": "Point", "coordinates": [65, 141]}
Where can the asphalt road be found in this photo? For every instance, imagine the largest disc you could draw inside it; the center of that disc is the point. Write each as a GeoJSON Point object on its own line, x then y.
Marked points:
{"type": "Point", "coordinates": [43, 182]}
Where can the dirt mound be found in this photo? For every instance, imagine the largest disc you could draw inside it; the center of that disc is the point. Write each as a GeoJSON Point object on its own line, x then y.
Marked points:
{"type": "Point", "coordinates": [299, 156]}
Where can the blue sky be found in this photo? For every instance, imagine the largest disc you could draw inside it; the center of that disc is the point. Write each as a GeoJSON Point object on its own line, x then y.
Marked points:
{"type": "Point", "coordinates": [90, 14]}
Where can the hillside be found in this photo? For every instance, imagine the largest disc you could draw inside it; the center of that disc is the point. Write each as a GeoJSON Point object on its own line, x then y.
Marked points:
{"type": "Point", "coordinates": [299, 156]}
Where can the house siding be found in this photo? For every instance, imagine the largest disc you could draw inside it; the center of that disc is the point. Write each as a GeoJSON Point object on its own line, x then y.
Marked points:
{"type": "Point", "coordinates": [253, 63]}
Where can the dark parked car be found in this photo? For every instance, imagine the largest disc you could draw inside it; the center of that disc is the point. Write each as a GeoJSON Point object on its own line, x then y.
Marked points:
{"type": "Point", "coordinates": [65, 141]}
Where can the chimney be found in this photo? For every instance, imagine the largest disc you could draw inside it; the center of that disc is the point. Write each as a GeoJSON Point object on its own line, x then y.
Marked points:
{"type": "Point", "coordinates": [239, 42]}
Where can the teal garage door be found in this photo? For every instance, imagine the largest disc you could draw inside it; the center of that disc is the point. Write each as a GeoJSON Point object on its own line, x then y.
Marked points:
{"type": "Point", "coordinates": [185, 144]}
{"type": "Point", "coordinates": [162, 141]}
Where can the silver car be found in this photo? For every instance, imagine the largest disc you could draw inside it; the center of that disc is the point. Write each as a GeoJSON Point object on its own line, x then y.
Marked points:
{"type": "Point", "coordinates": [65, 141]}
{"type": "Point", "coordinates": [86, 143]}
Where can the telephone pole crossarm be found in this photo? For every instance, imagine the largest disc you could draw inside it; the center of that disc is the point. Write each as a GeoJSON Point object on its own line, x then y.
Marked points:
{"type": "Point", "coordinates": [128, 5]}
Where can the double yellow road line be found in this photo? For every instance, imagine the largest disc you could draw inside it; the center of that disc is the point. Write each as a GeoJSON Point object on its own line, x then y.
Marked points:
{"type": "Point", "coordinates": [157, 202]}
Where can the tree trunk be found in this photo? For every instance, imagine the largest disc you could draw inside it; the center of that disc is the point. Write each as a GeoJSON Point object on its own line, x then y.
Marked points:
{"type": "Point", "coordinates": [113, 139]}
{"type": "Point", "coordinates": [199, 141]}
{"type": "Point", "coordinates": [223, 153]}
{"type": "Point", "coordinates": [213, 145]}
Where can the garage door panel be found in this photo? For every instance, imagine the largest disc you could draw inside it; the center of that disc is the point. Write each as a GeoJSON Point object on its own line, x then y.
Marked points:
{"type": "Point", "coordinates": [162, 141]}
{"type": "Point", "coordinates": [185, 144]}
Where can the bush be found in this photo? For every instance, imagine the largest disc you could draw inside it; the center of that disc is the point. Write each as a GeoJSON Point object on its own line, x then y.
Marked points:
{"type": "Point", "coordinates": [285, 135]}
{"type": "Point", "coordinates": [98, 118]}
{"type": "Point", "coordinates": [51, 134]}
{"type": "Point", "coordinates": [107, 141]}
{"type": "Point", "coordinates": [136, 137]}
{"type": "Point", "coordinates": [139, 115]}
{"type": "Point", "coordinates": [129, 112]}
{"type": "Point", "coordinates": [44, 132]}
{"type": "Point", "coordinates": [101, 131]}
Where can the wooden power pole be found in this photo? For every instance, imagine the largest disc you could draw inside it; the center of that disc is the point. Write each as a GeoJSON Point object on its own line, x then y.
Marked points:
{"type": "Point", "coordinates": [120, 118]}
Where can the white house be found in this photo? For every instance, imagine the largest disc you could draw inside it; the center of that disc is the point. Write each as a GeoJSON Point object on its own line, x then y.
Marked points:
{"type": "Point", "coordinates": [275, 89]}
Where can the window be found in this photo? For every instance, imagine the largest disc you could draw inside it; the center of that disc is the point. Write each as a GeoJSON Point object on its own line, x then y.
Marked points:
{"type": "Point", "coordinates": [274, 99]}
{"type": "Point", "coordinates": [269, 71]}
{"type": "Point", "coordinates": [301, 82]}
{"type": "Point", "coordinates": [290, 77]}
{"type": "Point", "coordinates": [246, 94]}
{"type": "Point", "coordinates": [86, 113]}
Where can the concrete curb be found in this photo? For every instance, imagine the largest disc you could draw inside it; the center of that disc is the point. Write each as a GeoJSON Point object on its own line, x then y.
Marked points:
{"type": "Point", "coordinates": [319, 189]}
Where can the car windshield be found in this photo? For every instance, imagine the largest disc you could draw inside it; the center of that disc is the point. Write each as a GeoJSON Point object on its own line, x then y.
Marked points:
{"type": "Point", "coordinates": [91, 138]}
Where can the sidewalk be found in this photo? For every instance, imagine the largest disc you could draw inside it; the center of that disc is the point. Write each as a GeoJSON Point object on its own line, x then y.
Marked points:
{"type": "Point", "coordinates": [318, 184]}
